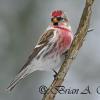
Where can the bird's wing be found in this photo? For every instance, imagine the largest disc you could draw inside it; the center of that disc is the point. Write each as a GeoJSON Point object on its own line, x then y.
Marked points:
{"type": "Point", "coordinates": [44, 39]}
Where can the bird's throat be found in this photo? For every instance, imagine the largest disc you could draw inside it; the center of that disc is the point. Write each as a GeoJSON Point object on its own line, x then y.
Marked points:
{"type": "Point", "coordinates": [55, 24]}
{"type": "Point", "coordinates": [63, 28]}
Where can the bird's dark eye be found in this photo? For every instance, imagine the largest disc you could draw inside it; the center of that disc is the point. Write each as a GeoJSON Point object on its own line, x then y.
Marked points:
{"type": "Point", "coordinates": [52, 19]}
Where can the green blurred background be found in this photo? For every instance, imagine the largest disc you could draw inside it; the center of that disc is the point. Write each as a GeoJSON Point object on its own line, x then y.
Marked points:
{"type": "Point", "coordinates": [21, 24]}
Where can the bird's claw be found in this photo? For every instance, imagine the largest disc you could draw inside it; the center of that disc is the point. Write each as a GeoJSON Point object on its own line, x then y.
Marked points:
{"type": "Point", "coordinates": [55, 73]}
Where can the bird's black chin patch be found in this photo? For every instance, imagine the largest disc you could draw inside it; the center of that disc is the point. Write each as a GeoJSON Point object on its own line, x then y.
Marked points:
{"type": "Point", "coordinates": [55, 24]}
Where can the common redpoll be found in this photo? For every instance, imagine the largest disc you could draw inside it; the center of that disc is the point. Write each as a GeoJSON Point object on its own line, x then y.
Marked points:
{"type": "Point", "coordinates": [50, 48]}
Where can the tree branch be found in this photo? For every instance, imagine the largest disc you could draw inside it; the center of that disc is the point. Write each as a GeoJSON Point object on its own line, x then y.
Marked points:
{"type": "Point", "coordinates": [72, 52]}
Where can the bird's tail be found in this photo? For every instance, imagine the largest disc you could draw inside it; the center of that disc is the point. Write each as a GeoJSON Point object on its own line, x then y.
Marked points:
{"type": "Point", "coordinates": [19, 77]}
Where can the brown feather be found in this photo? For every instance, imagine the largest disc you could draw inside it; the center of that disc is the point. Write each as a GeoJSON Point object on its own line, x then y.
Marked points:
{"type": "Point", "coordinates": [44, 39]}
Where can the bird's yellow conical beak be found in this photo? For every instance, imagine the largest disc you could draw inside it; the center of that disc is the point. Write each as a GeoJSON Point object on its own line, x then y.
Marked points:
{"type": "Point", "coordinates": [55, 20]}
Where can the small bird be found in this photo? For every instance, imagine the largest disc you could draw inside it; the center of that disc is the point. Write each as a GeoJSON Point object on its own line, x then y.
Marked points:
{"type": "Point", "coordinates": [50, 48]}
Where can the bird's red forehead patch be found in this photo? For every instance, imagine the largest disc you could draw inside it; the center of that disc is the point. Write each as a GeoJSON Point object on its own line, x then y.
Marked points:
{"type": "Point", "coordinates": [57, 13]}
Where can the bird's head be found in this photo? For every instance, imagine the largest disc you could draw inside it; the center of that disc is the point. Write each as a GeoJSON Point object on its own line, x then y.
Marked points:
{"type": "Point", "coordinates": [58, 18]}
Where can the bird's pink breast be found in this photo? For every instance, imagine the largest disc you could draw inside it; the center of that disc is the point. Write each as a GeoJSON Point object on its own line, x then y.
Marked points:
{"type": "Point", "coordinates": [64, 40]}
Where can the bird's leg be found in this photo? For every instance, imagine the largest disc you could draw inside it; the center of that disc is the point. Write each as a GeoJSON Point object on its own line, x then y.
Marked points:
{"type": "Point", "coordinates": [55, 73]}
